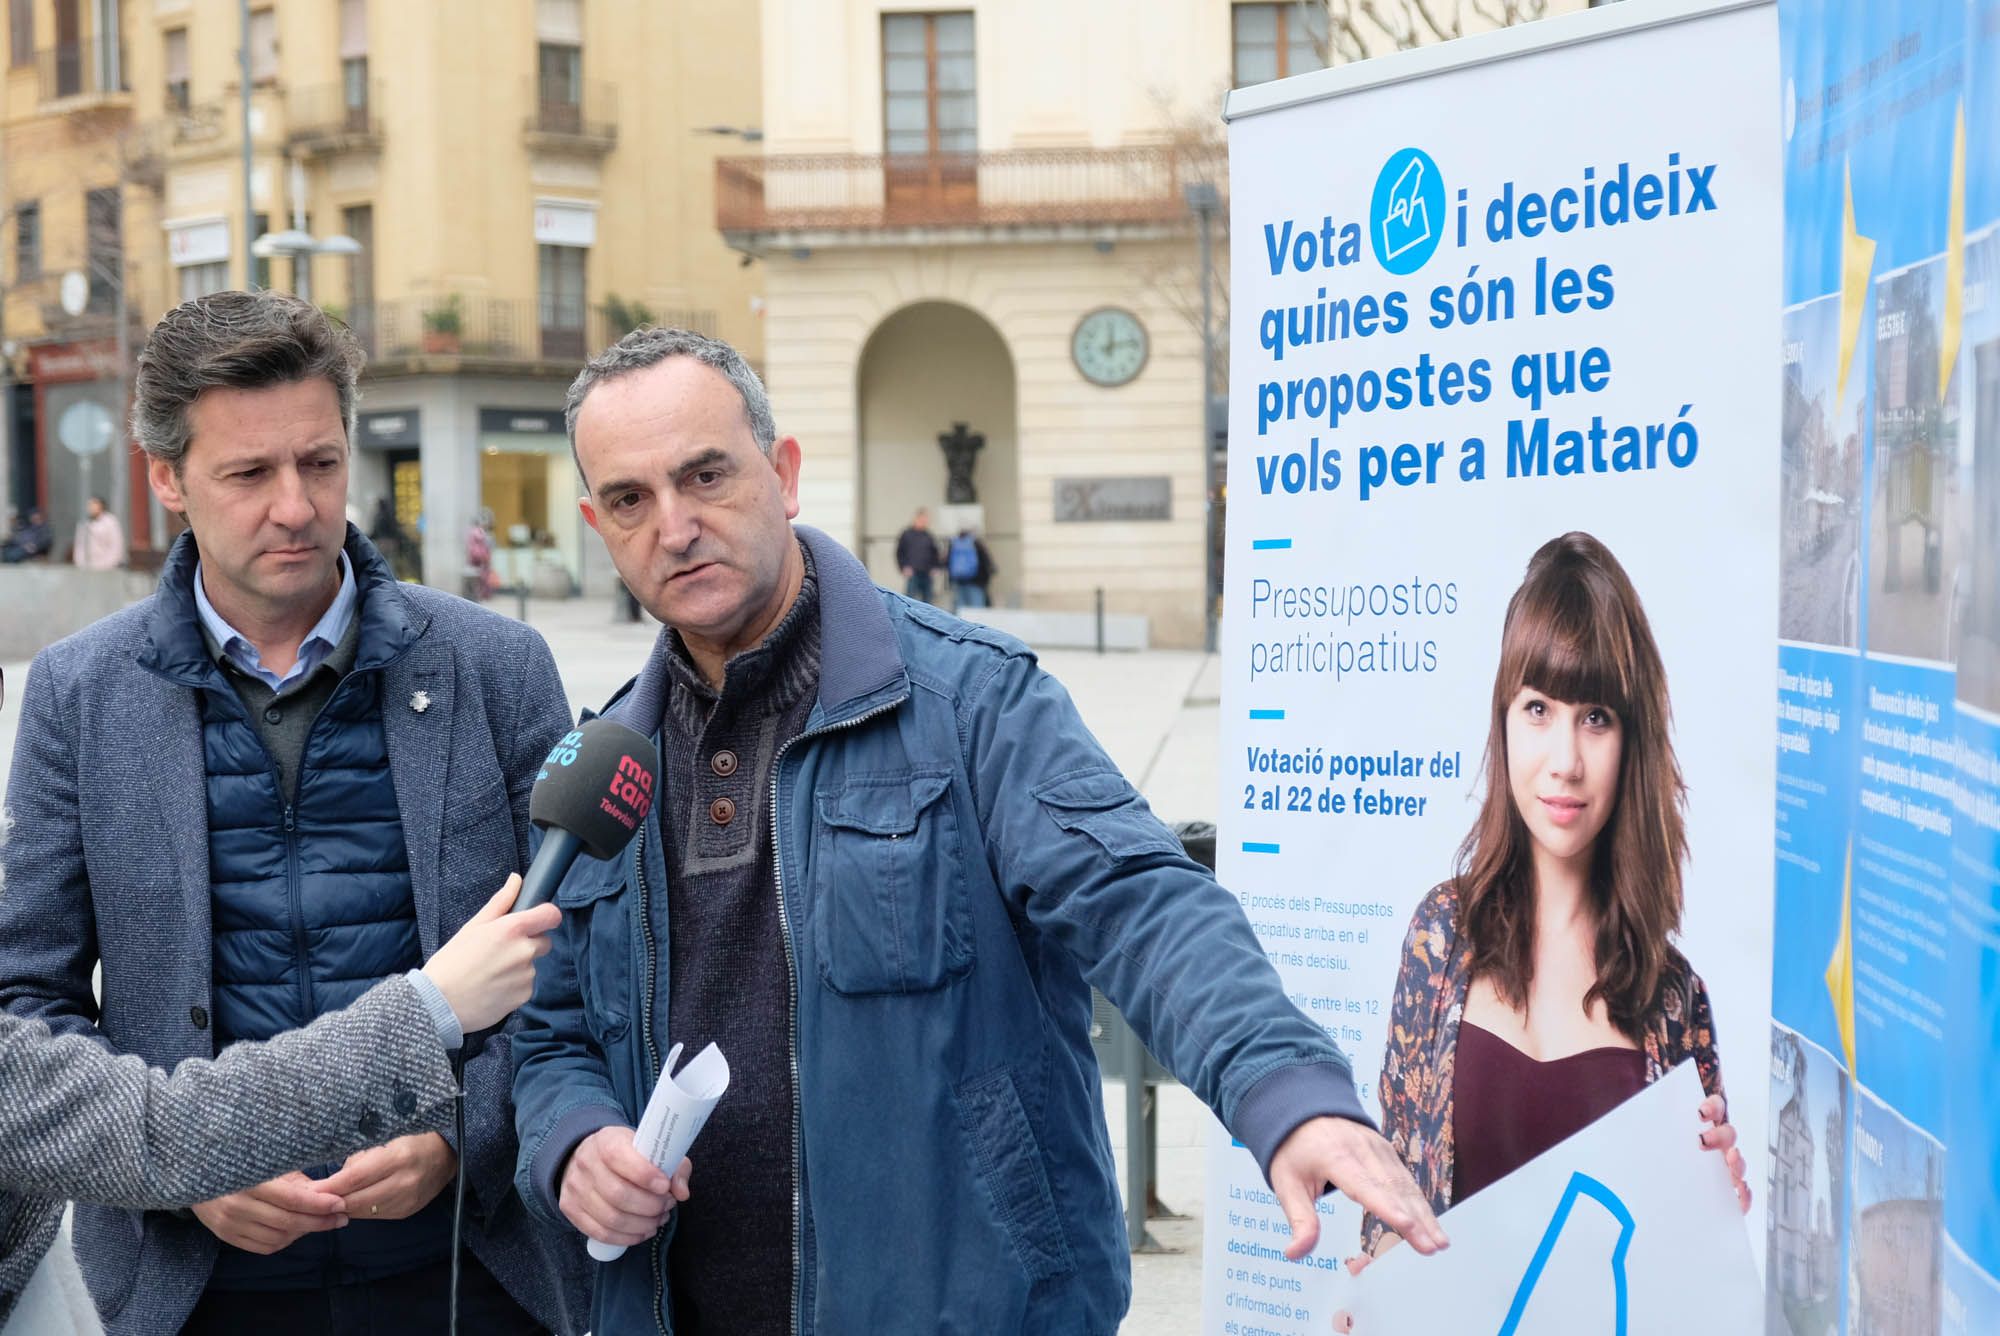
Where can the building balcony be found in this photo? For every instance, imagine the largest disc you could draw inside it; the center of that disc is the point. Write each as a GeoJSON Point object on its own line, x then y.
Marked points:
{"type": "Point", "coordinates": [550, 336]}
{"type": "Point", "coordinates": [823, 198]}
{"type": "Point", "coordinates": [200, 126]}
{"type": "Point", "coordinates": [334, 119]}
{"type": "Point", "coordinates": [565, 116]}
{"type": "Point", "coordinates": [83, 76]}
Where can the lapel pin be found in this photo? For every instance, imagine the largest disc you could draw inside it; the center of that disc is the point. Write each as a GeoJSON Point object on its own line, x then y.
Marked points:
{"type": "Point", "coordinates": [420, 701]}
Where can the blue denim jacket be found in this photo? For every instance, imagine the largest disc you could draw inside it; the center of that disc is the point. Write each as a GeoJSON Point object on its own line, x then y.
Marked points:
{"type": "Point", "coordinates": [958, 862]}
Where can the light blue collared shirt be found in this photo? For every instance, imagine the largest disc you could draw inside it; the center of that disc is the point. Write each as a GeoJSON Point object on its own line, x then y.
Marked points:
{"type": "Point", "coordinates": [321, 641]}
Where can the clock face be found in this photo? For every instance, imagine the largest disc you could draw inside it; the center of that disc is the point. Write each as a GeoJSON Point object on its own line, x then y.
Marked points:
{"type": "Point", "coordinates": [1109, 346]}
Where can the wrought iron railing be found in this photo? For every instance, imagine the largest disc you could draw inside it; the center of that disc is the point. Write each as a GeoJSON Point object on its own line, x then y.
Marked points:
{"type": "Point", "coordinates": [501, 328]}
{"type": "Point", "coordinates": [93, 68]}
{"type": "Point", "coordinates": [840, 191]}
{"type": "Point", "coordinates": [326, 116]}
{"type": "Point", "coordinates": [562, 108]}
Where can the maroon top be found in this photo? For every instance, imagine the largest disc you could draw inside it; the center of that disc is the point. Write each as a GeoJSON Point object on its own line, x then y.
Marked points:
{"type": "Point", "coordinates": [1507, 1108]}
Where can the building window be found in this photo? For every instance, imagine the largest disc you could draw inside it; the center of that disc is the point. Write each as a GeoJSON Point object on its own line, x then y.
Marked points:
{"type": "Point", "coordinates": [930, 100]}
{"type": "Point", "coordinates": [20, 33]}
{"type": "Point", "coordinates": [263, 46]}
{"type": "Point", "coordinates": [27, 241]}
{"type": "Point", "coordinates": [104, 227]}
{"type": "Point", "coordinates": [1276, 41]}
{"type": "Point", "coordinates": [562, 302]}
{"type": "Point", "coordinates": [930, 114]}
{"type": "Point", "coordinates": [354, 91]}
{"type": "Point", "coordinates": [559, 87]}
{"type": "Point", "coordinates": [198, 280]}
{"type": "Point", "coordinates": [178, 98]}
{"type": "Point", "coordinates": [358, 221]}
{"type": "Point", "coordinates": [354, 62]}
{"type": "Point", "coordinates": [260, 265]}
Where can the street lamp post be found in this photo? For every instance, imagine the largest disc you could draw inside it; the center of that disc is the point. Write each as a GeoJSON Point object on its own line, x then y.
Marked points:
{"type": "Point", "coordinates": [298, 245]}
{"type": "Point", "coordinates": [1203, 200]}
{"type": "Point", "coordinates": [243, 109]}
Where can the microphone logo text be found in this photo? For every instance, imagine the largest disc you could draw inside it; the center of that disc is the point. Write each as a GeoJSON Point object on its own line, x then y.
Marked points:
{"type": "Point", "coordinates": [630, 795]}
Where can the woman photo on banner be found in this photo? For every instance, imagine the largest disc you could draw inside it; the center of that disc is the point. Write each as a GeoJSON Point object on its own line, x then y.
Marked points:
{"type": "Point", "coordinates": [1540, 986]}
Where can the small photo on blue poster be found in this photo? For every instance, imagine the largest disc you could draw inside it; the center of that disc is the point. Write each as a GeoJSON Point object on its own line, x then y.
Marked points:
{"type": "Point", "coordinates": [1825, 438]}
{"type": "Point", "coordinates": [1811, 1098]}
{"type": "Point", "coordinates": [1971, 1296]}
{"type": "Point", "coordinates": [1919, 519]}
{"type": "Point", "coordinates": [1895, 1237]}
{"type": "Point", "coordinates": [1978, 595]}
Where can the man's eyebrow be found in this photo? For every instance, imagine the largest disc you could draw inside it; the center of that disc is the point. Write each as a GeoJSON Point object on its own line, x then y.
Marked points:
{"type": "Point", "coordinates": [707, 459]}
{"type": "Point", "coordinates": [713, 457]}
{"type": "Point", "coordinates": [613, 486]}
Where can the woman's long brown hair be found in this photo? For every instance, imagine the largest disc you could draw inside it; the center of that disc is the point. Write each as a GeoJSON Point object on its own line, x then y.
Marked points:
{"type": "Point", "coordinates": [1576, 631]}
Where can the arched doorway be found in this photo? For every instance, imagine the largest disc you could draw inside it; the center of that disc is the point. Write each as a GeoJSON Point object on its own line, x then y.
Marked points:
{"type": "Point", "coordinates": [925, 368]}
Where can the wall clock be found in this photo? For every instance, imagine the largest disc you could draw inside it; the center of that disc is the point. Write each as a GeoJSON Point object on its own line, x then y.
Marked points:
{"type": "Point", "coordinates": [1109, 346]}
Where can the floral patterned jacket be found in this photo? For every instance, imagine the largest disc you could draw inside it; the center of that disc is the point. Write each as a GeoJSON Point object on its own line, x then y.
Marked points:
{"type": "Point", "coordinates": [1417, 1071]}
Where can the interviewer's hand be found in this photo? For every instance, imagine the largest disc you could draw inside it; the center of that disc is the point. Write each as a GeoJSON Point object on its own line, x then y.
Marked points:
{"type": "Point", "coordinates": [487, 969]}
{"type": "Point", "coordinates": [1722, 1137]}
{"type": "Point", "coordinates": [616, 1195]}
{"type": "Point", "coordinates": [272, 1216]}
{"type": "Point", "coordinates": [1355, 1159]}
{"type": "Point", "coordinates": [396, 1180]}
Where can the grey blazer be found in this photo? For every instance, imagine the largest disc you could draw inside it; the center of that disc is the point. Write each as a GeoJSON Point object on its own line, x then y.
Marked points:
{"type": "Point", "coordinates": [108, 861]}
{"type": "Point", "coordinates": [80, 1122]}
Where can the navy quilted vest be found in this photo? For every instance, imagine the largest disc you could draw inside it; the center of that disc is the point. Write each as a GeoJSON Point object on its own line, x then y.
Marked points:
{"type": "Point", "coordinates": [312, 899]}
{"type": "Point", "coordinates": [311, 904]}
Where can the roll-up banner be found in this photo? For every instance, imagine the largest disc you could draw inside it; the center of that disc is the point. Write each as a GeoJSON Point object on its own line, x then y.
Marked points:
{"type": "Point", "coordinates": [1682, 315]}
{"type": "Point", "coordinates": [1503, 325]}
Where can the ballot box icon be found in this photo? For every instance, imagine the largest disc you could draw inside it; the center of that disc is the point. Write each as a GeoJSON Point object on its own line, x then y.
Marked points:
{"type": "Point", "coordinates": [1407, 211]}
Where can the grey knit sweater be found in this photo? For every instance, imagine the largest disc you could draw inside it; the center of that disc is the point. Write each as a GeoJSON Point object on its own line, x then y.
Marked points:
{"type": "Point", "coordinates": [79, 1121]}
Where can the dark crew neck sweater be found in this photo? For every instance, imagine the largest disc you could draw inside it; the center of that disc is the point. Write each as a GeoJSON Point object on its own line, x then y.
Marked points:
{"type": "Point", "coordinates": [731, 1260]}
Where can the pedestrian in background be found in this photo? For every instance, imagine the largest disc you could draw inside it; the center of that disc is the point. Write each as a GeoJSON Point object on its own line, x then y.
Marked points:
{"type": "Point", "coordinates": [917, 556]}
{"type": "Point", "coordinates": [479, 558]}
{"type": "Point", "coordinates": [971, 568]}
{"type": "Point", "coordinates": [386, 532]}
{"type": "Point", "coordinates": [27, 541]}
{"type": "Point", "coordinates": [100, 539]}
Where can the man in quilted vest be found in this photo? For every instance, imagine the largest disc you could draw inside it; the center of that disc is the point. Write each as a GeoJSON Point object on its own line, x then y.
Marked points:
{"type": "Point", "coordinates": [281, 778]}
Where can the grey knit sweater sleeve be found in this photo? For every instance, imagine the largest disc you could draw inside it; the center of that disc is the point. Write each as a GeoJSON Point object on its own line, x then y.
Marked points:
{"type": "Point", "coordinates": [76, 1121]}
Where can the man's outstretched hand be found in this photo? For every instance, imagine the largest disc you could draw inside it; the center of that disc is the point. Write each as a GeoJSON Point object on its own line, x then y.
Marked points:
{"type": "Point", "coordinates": [1355, 1159]}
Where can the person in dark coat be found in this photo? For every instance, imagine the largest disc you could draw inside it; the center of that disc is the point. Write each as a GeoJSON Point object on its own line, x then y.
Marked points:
{"type": "Point", "coordinates": [294, 776]}
{"type": "Point", "coordinates": [29, 541]}
{"type": "Point", "coordinates": [917, 556]}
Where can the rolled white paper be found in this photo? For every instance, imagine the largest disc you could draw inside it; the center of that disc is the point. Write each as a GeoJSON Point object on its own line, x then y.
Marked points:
{"type": "Point", "coordinates": [674, 1117]}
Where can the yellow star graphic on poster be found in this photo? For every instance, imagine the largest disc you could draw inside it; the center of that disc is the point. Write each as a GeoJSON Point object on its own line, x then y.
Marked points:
{"type": "Point", "coordinates": [1954, 261]}
{"type": "Point", "coordinates": [1840, 969]}
{"type": "Point", "coordinates": [1857, 261]}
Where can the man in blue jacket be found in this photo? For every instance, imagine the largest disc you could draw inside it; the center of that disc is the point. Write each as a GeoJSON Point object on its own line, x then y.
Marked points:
{"type": "Point", "coordinates": [281, 778]}
{"type": "Point", "coordinates": [886, 863]}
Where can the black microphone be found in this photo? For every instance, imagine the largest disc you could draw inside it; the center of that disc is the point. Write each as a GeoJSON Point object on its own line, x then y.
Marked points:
{"type": "Point", "coordinates": [592, 793]}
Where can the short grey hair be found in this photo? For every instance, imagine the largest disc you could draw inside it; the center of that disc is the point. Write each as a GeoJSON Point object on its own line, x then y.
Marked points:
{"type": "Point", "coordinates": [241, 341]}
{"type": "Point", "coordinates": [652, 345]}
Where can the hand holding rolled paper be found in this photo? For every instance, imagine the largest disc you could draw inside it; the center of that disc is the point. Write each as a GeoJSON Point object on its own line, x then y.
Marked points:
{"type": "Point", "coordinates": [674, 1117]}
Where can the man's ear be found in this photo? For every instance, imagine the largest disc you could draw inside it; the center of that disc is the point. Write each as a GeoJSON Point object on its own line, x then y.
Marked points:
{"type": "Point", "coordinates": [588, 511]}
{"type": "Point", "coordinates": [166, 484]}
{"type": "Point", "coordinates": [785, 459]}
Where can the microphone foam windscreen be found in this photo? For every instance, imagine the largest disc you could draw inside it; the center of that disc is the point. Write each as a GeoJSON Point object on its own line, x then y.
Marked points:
{"type": "Point", "coordinates": [597, 784]}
